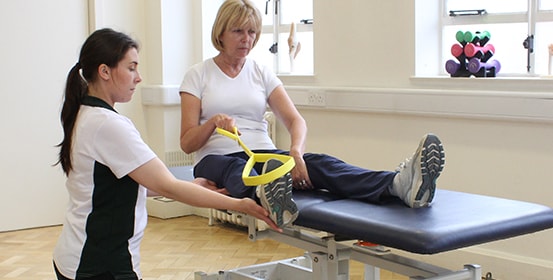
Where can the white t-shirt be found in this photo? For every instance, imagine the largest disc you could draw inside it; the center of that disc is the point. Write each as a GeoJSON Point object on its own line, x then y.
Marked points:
{"type": "Point", "coordinates": [106, 215]}
{"type": "Point", "coordinates": [244, 98]}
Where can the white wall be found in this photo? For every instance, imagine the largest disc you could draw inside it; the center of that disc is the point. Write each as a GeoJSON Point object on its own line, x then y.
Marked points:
{"type": "Point", "coordinates": [361, 44]}
{"type": "Point", "coordinates": [36, 53]}
{"type": "Point", "coordinates": [39, 46]}
{"type": "Point", "coordinates": [133, 18]}
{"type": "Point", "coordinates": [176, 48]}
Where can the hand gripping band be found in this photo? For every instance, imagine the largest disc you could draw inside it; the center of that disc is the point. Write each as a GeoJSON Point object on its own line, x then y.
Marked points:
{"type": "Point", "coordinates": [287, 162]}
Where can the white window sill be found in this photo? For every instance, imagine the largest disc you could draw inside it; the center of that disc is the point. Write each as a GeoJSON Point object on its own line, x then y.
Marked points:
{"type": "Point", "coordinates": [489, 98]}
{"type": "Point", "coordinates": [528, 85]}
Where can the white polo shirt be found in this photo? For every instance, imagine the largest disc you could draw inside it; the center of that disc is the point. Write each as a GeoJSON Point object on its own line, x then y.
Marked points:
{"type": "Point", "coordinates": [106, 215]}
{"type": "Point", "coordinates": [243, 97]}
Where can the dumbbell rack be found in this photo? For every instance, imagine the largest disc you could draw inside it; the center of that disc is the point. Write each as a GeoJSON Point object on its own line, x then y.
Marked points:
{"type": "Point", "coordinates": [473, 56]}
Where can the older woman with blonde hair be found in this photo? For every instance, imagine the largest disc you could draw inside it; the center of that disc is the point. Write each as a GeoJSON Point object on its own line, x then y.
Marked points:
{"type": "Point", "coordinates": [232, 91]}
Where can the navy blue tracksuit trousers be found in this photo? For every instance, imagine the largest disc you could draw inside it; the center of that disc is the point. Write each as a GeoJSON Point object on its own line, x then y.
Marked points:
{"type": "Point", "coordinates": [326, 173]}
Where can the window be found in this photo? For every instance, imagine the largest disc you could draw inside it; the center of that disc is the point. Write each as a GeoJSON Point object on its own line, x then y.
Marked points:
{"type": "Point", "coordinates": [272, 47]}
{"type": "Point", "coordinates": [520, 31]}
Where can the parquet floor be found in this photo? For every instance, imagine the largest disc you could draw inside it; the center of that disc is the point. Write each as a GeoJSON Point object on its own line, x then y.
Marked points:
{"type": "Point", "coordinates": [172, 249]}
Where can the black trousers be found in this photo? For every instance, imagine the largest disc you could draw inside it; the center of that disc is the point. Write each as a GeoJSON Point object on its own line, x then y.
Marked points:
{"type": "Point", "coordinates": [104, 276]}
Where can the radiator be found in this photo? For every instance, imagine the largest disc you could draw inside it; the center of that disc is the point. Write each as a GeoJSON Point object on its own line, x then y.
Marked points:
{"type": "Point", "coordinates": [178, 158]}
{"type": "Point", "coordinates": [235, 218]}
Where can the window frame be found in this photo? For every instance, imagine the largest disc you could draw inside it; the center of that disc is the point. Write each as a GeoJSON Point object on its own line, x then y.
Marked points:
{"type": "Point", "coordinates": [278, 29]}
{"type": "Point", "coordinates": [531, 19]}
{"type": "Point", "coordinates": [209, 11]}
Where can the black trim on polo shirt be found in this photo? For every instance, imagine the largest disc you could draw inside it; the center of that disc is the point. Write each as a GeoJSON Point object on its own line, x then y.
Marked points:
{"type": "Point", "coordinates": [109, 226]}
{"type": "Point", "coordinates": [96, 102]}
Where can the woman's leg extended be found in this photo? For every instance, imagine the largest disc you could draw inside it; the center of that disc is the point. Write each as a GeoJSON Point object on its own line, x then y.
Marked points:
{"type": "Point", "coordinates": [344, 179]}
{"type": "Point", "coordinates": [226, 172]}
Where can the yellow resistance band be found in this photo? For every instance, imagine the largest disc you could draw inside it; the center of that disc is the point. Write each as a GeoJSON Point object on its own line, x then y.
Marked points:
{"type": "Point", "coordinates": [287, 162]}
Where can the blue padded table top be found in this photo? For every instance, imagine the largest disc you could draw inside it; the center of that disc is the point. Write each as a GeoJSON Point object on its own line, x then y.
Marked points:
{"type": "Point", "coordinates": [454, 220]}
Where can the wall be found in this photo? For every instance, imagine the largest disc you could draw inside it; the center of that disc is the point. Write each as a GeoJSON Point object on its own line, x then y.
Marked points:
{"type": "Point", "coordinates": [177, 48]}
{"type": "Point", "coordinates": [135, 18]}
{"type": "Point", "coordinates": [357, 43]}
{"type": "Point", "coordinates": [493, 147]}
{"type": "Point", "coordinates": [36, 53]}
{"type": "Point", "coordinates": [40, 47]}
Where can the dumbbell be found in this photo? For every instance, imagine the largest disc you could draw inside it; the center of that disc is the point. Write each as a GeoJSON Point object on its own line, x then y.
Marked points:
{"type": "Point", "coordinates": [460, 36]}
{"type": "Point", "coordinates": [456, 69]}
{"type": "Point", "coordinates": [476, 65]}
{"type": "Point", "coordinates": [477, 37]}
{"type": "Point", "coordinates": [483, 53]}
{"type": "Point", "coordinates": [457, 50]}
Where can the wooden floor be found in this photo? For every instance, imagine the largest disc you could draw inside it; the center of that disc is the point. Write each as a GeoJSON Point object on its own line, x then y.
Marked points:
{"type": "Point", "coordinates": [172, 249]}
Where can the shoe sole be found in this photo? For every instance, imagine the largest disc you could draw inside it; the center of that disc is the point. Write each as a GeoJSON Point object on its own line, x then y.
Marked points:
{"type": "Point", "coordinates": [432, 160]}
{"type": "Point", "coordinates": [276, 196]}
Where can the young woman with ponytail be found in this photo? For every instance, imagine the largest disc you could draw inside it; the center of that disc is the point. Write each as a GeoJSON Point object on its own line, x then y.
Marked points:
{"type": "Point", "coordinates": [108, 167]}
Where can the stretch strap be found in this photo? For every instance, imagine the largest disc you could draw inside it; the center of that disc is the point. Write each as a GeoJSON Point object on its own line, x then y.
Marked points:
{"type": "Point", "coordinates": [287, 162]}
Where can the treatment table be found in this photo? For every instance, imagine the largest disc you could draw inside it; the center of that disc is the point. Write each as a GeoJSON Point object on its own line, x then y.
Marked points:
{"type": "Point", "coordinates": [454, 220]}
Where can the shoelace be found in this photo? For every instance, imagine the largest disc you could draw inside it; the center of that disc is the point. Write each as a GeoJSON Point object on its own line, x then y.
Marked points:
{"type": "Point", "coordinates": [402, 165]}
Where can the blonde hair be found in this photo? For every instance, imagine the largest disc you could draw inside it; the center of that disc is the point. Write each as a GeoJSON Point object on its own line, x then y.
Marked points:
{"type": "Point", "coordinates": [235, 13]}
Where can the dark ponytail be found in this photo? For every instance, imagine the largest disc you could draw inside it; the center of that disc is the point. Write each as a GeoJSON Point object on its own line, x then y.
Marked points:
{"type": "Point", "coordinates": [75, 92]}
{"type": "Point", "coordinates": [104, 46]}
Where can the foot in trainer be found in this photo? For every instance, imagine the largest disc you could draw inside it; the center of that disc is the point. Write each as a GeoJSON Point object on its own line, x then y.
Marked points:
{"type": "Point", "coordinates": [415, 182]}
{"type": "Point", "coordinates": [276, 196]}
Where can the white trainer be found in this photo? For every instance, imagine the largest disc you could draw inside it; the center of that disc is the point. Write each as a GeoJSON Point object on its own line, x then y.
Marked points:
{"type": "Point", "coordinates": [415, 182]}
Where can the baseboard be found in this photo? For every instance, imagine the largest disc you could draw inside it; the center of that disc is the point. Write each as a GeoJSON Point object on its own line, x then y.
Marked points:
{"type": "Point", "coordinates": [165, 208]}
{"type": "Point", "coordinates": [202, 212]}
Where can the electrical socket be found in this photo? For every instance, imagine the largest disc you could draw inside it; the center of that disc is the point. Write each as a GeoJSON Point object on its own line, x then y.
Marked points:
{"type": "Point", "coordinates": [316, 99]}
